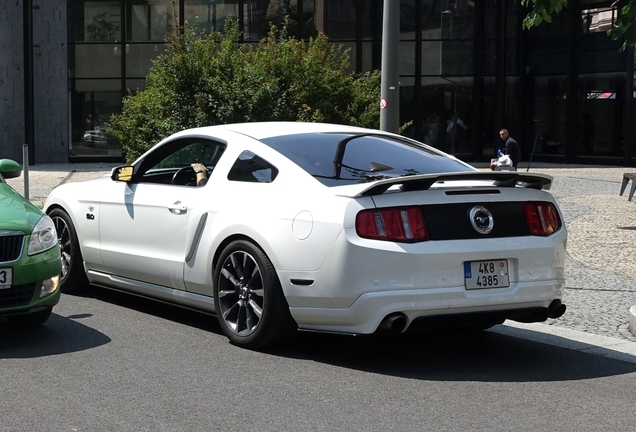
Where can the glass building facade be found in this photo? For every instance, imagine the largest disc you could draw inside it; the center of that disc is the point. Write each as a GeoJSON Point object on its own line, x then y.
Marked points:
{"type": "Point", "coordinates": [564, 90]}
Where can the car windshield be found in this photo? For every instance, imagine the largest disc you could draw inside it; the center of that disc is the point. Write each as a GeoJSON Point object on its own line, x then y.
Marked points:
{"type": "Point", "coordinates": [337, 159]}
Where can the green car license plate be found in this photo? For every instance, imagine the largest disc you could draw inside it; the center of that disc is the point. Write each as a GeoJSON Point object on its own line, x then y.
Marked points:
{"type": "Point", "coordinates": [486, 274]}
{"type": "Point", "coordinates": [6, 277]}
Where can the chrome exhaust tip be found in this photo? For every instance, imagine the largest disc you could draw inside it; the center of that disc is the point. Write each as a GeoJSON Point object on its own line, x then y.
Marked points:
{"type": "Point", "coordinates": [394, 323]}
{"type": "Point", "coordinates": [556, 309]}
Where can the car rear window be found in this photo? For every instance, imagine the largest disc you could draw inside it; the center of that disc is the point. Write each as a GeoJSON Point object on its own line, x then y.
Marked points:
{"type": "Point", "coordinates": [337, 159]}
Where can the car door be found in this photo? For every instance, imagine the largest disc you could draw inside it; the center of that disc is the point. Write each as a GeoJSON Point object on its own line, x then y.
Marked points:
{"type": "Point", "coordinates": [147, 226]}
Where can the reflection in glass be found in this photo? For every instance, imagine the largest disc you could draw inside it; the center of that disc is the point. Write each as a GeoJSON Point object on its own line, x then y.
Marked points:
{"type": "Point", "coordinates": [139, 58]}
{"type": "Point", "coordinates": [92, 104]}
{"type": "Point", "coordinates": [102, 21]}
{"type": "Point", "coordinates": [258, 16]}
{"type": "Point", "coordinates": [210, 15]}
{"type": "Point", "coordinates": [371, 55]}
{"type": "Point", "coordinates": [97, 61]}
{"type": "Point", "coordinates": [406, 61]}
{"type": "Point", "coordinates": [150, 22]}
{"type": "Point", "coordinates": [549, 114]}
{"type": "Point", "coordinates": [457, 58]}
{"type": "Point", "coordinates": [124, 173]}
{"type": "Point", "coordinates": [340, 19]}
{"type": "Point", "coordinates": [598, 19]}
{"type": "Point", "coordinates": [431, 57]}
{"type": "Point", "coordinates": [457, 19]}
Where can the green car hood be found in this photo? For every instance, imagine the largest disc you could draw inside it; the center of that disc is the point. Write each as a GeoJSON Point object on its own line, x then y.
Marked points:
{"type": "Point", "coordinates": [16, 213]}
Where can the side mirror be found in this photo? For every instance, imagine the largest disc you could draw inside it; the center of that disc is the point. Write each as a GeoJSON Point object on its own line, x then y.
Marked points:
{"type": "Point", "coordinates": [10, 168]}
{"type": "Point", "coordinates": [123, 173]}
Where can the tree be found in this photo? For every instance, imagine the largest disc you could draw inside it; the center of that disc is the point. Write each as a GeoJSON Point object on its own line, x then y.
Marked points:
{"type": "Point", "coordinates": [207, 80]}
{"type": "Point", "coordinates": [542, 10]}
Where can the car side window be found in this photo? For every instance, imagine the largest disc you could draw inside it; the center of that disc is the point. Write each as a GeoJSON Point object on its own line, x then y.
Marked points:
{"type": "Point", "coordinates": [205, 152]}
{"type": "Point", "coordinates": [250, 167]}
{"type": "Point", "coordinates": [172, 163]}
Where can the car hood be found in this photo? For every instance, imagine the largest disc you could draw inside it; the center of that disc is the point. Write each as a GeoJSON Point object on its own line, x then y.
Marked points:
{"type": "Point", "coordinates": [16, 213]}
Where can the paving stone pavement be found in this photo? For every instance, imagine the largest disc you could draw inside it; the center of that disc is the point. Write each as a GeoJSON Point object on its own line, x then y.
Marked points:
{"type": "Point", "coordinates": [601, 263]}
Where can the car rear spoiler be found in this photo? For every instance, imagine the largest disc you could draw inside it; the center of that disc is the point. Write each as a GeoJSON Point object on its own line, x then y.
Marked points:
{"type": "Point", "coordinates": [425, 181]}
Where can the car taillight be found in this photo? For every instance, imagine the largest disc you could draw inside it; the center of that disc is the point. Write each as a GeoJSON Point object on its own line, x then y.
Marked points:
{"type": "Point", "coordinates": [404, 224]}
{"type": "Point", "coordinates": [542, 218]}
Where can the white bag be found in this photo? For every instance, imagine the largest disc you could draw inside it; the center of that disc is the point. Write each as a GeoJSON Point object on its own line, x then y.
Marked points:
{"type": "Point", "coordinates": [504, 161]}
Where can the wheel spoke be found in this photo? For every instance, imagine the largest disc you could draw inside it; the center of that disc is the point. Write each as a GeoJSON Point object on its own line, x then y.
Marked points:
{"type": "Point", "coordinates": [66, 263]}
{"type": "Point", "coordinates": [250, 321]}
{"type": "Point", "coordinates": [233, 311]}
{"type": "Point", "coordinates": [241, 319]}
{"type": "Point", "coordinates": [255, 278]}
{"type": "Point", "coordinates": [226, 293]}
{"type": "Point", "coordinates": [236, 266]}
{"type": "Point", "coordinates": [225, 272]}
{"type": "Point", "coordinates": [256, 308]}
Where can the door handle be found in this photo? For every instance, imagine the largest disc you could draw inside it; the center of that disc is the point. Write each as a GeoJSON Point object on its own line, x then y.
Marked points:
{"type": "Point", "coordinates": [178, 207]}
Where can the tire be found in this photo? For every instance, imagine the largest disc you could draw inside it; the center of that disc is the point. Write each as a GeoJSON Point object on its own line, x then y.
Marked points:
{"type": "Point", "coordinates": [252, 313]}
{"type": "Point", "coordinates": [32, 319]}
{"type": "Point", "coordinates": [73, 278]}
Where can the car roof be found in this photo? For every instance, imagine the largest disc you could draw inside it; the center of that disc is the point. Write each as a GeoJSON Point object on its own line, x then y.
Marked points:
{"type": "Point", "coordinates": [262, 130]}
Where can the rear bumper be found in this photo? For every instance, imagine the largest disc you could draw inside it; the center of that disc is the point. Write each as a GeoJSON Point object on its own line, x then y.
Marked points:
{"type": "Point", "coordinates": [525, 302]}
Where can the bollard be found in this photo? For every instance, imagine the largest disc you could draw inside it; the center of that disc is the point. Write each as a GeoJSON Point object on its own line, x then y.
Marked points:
{"type": "Point", "coordinates": [25, 168]}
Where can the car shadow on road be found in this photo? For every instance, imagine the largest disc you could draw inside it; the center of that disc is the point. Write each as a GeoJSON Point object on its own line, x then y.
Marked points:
{"type": "Point", "coordinates": [441, 355]}
{"type": "Point", "coordinates": [59, 335]}
{"type": "Point", "coordinates": [156, 308]}
{"type": "Point", "coordinates": [454, 356]}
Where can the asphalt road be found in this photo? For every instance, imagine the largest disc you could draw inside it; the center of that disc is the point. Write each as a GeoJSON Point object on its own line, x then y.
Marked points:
{"type": "Point", "coordinates": [110, 362]}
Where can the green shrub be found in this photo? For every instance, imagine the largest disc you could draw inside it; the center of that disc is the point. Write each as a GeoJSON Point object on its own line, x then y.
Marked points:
{"type": "Point", "coordinates": [208, 80]}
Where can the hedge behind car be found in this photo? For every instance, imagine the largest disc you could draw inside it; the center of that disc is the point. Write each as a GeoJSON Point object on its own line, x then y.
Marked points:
{"type": "Point", "coordinates": [206, 80]}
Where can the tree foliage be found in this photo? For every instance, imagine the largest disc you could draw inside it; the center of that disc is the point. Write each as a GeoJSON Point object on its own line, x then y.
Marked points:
{"type": "Point", "coordinates": [207, 80]}
{"type": "Point", "coordinates": [625, 25]}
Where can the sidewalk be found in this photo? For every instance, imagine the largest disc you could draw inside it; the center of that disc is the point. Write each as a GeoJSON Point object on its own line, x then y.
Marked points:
{"type": "Point", "coordinates": [600, 269]}
{"type": "Point", "coordinates": [44, 177]}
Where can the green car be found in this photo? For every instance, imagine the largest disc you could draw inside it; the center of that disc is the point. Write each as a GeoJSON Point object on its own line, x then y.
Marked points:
{"type": "Point", "coordinates": [30, 261]}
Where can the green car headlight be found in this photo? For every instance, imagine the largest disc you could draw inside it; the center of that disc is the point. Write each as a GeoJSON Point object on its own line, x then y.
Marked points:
{"type": "Point", "coordinates": [43, 237]}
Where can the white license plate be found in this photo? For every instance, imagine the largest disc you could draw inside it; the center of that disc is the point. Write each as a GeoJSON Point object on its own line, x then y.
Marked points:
{"type": "Point", "coordinates": [6, 277]}
{"type": "Point", "coordinates": [486, 274]}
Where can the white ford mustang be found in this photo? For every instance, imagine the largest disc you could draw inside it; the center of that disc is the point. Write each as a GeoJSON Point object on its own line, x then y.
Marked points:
{"type": "Point", "coordinates": [316, 227]}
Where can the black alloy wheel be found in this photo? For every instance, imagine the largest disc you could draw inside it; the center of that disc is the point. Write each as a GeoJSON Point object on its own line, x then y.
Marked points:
{"type": "Point", "coordinates": [250, 305]}
{"type": "Point", "coordinates": [73, 278]}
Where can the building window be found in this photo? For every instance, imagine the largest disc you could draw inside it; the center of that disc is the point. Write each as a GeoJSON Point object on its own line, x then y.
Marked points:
{"type": "Point", "coordinates": [111, 49]}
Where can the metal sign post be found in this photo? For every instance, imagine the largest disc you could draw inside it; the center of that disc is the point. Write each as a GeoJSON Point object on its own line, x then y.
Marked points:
{"type": "Point", "coordinates": [27, 48]}
{"type": "Point", "coordinates": [25, 169]}
{"type": "Point", "coordinates": [390, 86]}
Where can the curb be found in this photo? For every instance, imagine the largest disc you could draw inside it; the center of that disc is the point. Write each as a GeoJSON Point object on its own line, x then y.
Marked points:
{"type": "Point", "coordinates": [575, 340]}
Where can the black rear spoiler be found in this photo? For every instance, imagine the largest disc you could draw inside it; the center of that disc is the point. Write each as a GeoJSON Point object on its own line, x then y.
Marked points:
{"type": "Point", "coordinates": [425, 181]}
